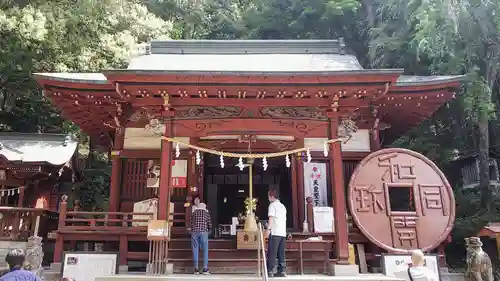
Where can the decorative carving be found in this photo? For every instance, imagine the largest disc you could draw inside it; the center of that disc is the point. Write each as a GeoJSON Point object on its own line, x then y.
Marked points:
{"type": "Point", "coordinates": [281, 145]}
{"type": "Point", "coordinates": [117, 125]}
{"type": "Point", "coordinates": [335, 103]}
{"type": "Point", "coordinates": [34, 256]}
{"type": "Point", "coordinates": [293, 112]}
{"type": "Point", "coordinates": [155, 127]}
{"type": "Point", "coordinates": [166, 102]}
{"type": "Point", "coordinates": [140, 114]}
{"type": "Point", "coordinates": [200, 112]}
{"type": "Point", "coordinates": [348, 127]}
{"type": "Point", "coordinates": [405, 191]}
{"type": "Point", "coordinates": [299, 126]}
{"type": "Point", "coordinates": [479, 266]}
{"type": "Point", "coordinates": [213, 144]}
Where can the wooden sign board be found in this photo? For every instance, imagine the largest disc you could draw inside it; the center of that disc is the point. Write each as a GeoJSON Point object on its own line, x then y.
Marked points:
{"type": "Point", "coordinates": [396, 265]}
{"type": "Point", "coordinates": [158, 230]}
{"type": "Point", "coordinates": [86, 266]}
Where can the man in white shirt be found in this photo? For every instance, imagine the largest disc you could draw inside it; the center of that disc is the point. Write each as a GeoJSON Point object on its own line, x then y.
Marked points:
{"type": "Point", "coordinates": [277, 234]}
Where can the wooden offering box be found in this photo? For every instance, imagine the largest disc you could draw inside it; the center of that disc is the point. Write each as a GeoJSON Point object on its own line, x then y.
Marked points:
{"type": "Point", "coordinates": [247, 240]}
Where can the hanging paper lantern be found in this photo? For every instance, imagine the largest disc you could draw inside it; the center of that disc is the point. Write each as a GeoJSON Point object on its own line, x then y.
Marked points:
{"type": "Point", "coordinates": [308, 155]}
{"type": "Point", "coordinates": [177, 150]}
{"type": "Point", "coordinates": [264, 163]}
{"type": "Point", "coordinates": [287, 161]}
{"type": "Point", "coordinates": [198, 157]}
{"type": "Point", "coordinates": [325, 149]}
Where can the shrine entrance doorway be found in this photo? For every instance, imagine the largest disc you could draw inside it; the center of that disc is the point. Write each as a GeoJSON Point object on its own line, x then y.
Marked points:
{"type": "Point", "coordinates": [227, 188]}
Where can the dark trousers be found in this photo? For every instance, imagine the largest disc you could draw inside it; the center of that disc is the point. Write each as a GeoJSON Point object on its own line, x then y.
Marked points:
{"type": "Point", "coordinates": [276, 249]}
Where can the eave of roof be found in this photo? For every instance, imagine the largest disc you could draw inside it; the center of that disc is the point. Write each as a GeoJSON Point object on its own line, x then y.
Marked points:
{"type": "Point", "coordinates": [408, 80]}
{"type": "Point", "coordinates": [53, 149]}
{"type": "Point", "coordinates": [83, 78]}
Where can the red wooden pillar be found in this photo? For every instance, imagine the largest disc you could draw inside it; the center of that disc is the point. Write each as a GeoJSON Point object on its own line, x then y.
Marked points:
{"type": "Point", "coordinates": [165, 174]}
{"type": "Point", "coordinates": [300, 187]}
{"type": "Point", "coordinates": [116, 171]}
{"type": "Point", "coordinates": [59, 247]}
{"type": "Point", "coordinates": [338, 196]}
{"type": "Point", "coordinates": [191, 182]}
{"type": "Point", "coordinates": [295, 196]}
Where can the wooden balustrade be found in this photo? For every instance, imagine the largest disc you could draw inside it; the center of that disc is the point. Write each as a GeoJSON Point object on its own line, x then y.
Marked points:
{"type": "Point", "coordinates": [106, 221]}
{"type": "Point", "coordinates": [17, 224]}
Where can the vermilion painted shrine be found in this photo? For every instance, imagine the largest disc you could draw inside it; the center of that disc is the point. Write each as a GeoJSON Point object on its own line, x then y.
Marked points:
{"type": "Point", "coordinates": [267, 96]}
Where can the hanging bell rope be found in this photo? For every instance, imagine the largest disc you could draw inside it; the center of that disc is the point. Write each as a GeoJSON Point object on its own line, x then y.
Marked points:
{"type": "Point", "coordinates": [250, 155]}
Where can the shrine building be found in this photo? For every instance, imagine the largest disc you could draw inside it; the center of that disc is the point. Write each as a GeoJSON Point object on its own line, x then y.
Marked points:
{"type": "Point", "coordinates": [251, 97]}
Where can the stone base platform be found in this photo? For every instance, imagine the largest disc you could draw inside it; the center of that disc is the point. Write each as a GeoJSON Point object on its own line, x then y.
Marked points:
{"type": "Point", "coordinates": [240, 277]}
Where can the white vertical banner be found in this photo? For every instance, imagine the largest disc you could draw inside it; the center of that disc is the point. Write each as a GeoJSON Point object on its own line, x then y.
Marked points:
{"type": "Point", "coordinates": [315, 185]}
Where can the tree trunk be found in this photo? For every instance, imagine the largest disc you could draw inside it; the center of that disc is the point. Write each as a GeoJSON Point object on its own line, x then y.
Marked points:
{"type": "Point", "coordinates": [484, 167]}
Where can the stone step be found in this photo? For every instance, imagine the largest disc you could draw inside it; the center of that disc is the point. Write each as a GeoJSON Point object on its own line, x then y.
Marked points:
{"type": "Point", "coordinates": [240, 277]}
{"type": "Point", "coordinates": [51, 275]}
{"type": "Point", "coordinates": [6, 247]}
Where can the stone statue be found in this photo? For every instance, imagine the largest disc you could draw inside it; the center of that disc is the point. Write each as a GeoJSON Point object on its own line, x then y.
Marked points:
{"type": "Point", "coordinates": [479, 266]}
{"type": "Point", "coordinates": [34, 256]}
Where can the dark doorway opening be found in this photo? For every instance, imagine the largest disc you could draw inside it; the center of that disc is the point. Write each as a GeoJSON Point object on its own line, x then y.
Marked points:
{"type": "Point", "coordinates": [227, 188]}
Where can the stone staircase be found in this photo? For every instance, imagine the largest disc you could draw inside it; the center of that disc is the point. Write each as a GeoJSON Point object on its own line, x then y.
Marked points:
{"type": "Point", "coordinates": [6, 247]}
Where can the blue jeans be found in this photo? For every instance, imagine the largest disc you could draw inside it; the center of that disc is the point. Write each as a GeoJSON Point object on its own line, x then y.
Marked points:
{"type": "Point", "coordinates": [200, 240]}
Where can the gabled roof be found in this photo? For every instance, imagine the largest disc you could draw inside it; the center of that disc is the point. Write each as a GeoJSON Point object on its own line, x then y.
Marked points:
{"type": "Point", "coordinates": [187, 68]}
{"type": "Point", "coordinates": [50, 149]}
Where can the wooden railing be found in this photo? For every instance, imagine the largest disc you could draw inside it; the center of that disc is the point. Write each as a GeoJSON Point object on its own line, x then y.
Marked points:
{"type": "Point", "coordinates": [17, 224]}
{"type": "Point", "coordinates": [105, 221]}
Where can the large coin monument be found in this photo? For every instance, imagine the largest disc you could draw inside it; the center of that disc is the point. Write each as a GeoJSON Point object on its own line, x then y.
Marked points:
{"type": "Point", "coordinates": [401, 201]}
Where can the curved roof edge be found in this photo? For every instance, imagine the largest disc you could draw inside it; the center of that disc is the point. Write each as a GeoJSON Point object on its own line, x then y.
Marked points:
{"type": "Point", "coordinates": [26, 148]}
{"type": "Point", "coordinates": [84, 78]}
{"type": "Point", "coordinates": [408, 80]}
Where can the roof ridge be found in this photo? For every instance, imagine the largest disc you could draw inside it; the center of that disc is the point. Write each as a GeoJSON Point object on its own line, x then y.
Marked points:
{"type": "Point", "coordinates": [309, 46]}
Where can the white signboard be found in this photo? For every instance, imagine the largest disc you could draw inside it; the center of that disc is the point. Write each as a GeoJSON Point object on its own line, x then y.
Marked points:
{"type": "Point", "coordinates": [88, 266]}
{"type": "Point", "coordinates": [145, 206]}
{"type": "Point", "coordinates": [397, 265]}
{"type": "Point", "coordinates": [323, 219]}
{"type": "Point", "coordinates": [179, 173]}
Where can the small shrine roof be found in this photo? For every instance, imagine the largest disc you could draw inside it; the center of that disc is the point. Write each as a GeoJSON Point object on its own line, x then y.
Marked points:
{"type": "Point", "coordinates": [53, 149]}
{"type": "Point", "coordinates": [492, 229]}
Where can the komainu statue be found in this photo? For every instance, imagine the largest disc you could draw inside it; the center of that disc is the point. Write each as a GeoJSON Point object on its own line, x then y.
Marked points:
{"type": "Point", "coordinates": [479, 266]}
{"type": "Point", "coordinates": [34, 256]}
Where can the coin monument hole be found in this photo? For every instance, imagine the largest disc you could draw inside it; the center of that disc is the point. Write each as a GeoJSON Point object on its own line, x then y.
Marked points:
{"type": "Point", "coordinates": [401, 199]}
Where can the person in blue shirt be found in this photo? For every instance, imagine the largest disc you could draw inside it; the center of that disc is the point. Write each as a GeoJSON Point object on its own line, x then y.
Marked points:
{"type": "Point", "coordinates": [15, 260]}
